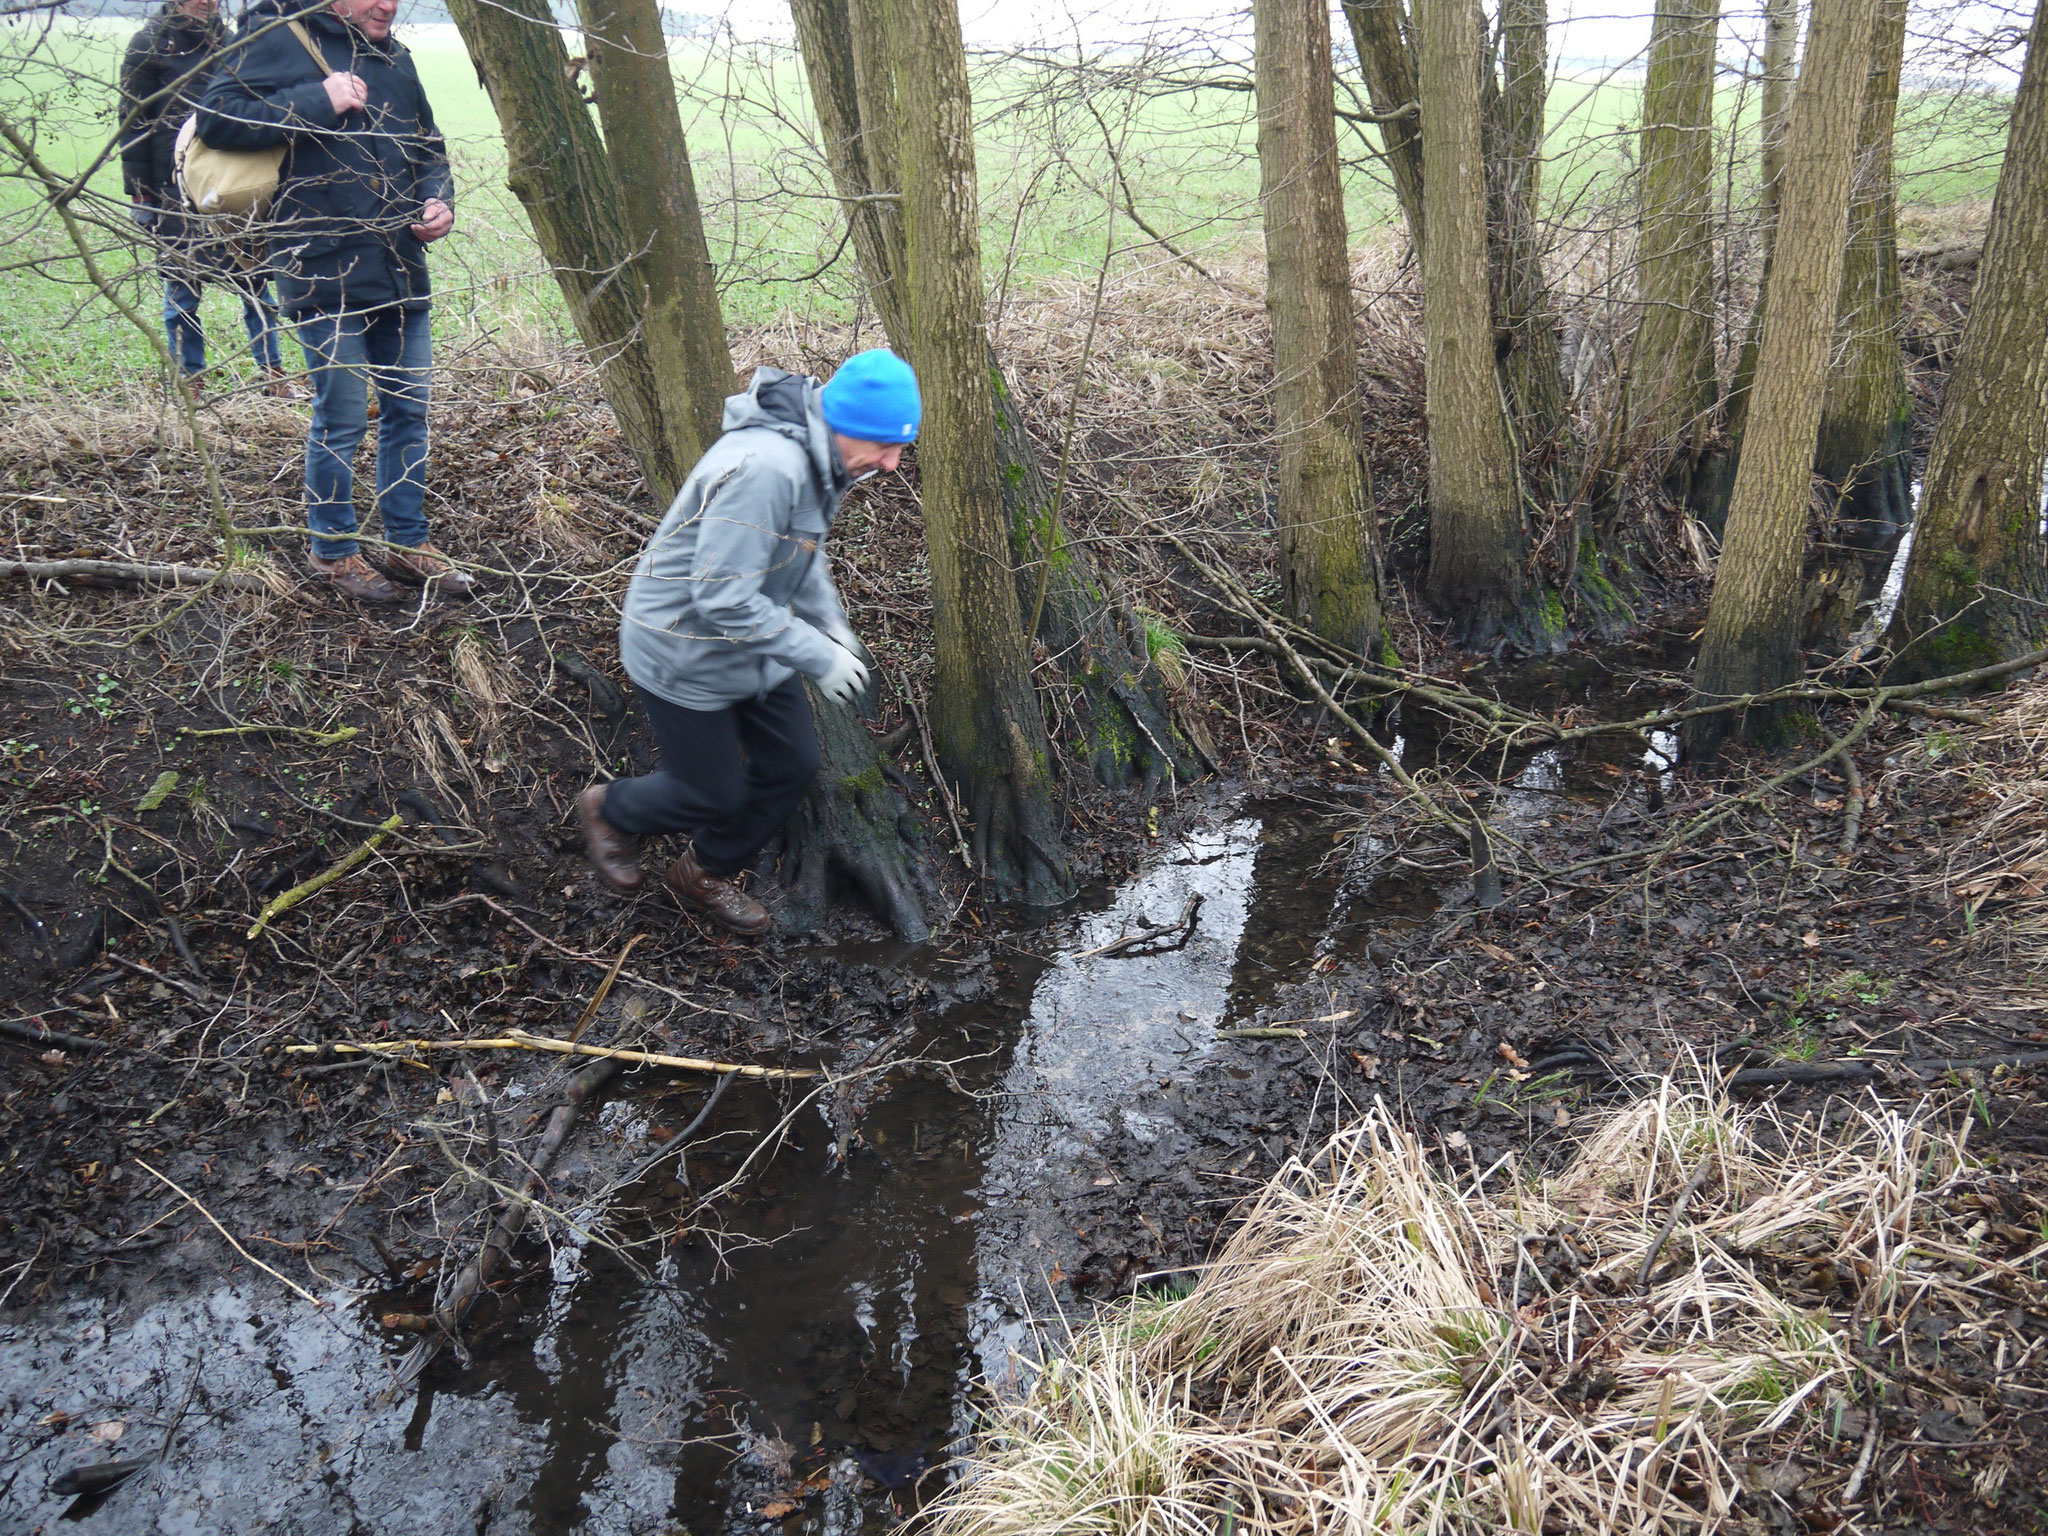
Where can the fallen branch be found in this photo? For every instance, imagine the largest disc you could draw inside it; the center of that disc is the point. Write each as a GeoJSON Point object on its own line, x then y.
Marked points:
{"type": "Point", "coordinates": [1859, 1071]}
{"type": "Point", "coordinates": [125, 573]}
{"type": "Point", "coordinates": [317, 738]}
{"type": "Point", "coordinates": [280, 904]}
{"type": "Point", "coordinates": [520, 1040]}
{"type": "Point", "coordinates": [1184, 926]}
{"type": "Point", "coordinates": [1267, 1032]}
{"type": "Point", "coordinates": [31, 1033]}
{"type": "Point", "coordinates": [1692, 1187]}
{"type": "Point", "coordinates": [506, 1228]}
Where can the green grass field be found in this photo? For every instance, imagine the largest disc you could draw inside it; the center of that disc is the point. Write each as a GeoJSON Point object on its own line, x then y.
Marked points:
{"type": "Point", "coordinates": [1189, 160]}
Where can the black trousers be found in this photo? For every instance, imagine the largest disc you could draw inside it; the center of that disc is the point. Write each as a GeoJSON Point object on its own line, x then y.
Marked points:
{"type": "Point", "coordinates": [728, 777]}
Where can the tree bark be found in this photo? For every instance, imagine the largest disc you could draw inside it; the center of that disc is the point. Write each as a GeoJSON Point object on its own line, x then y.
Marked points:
{"type": "Point", "coordinates": [1977, 579]}
{"type": "Point", "coordinates": [1751, 641]}
{"type": "Point", "coordinates": [684, 328]}
{"type": "Point", "coordinates": [986, 723]}
{"type": "Point", "coordinates": [1380, 34]}
{"type": "Point", "coordinates": [1672, 380]}
{"type": "Point", "coordinates": [1866, 449]}
{"type": "Point", "coordinates": [1534, 365]}
{"type": "Point", "coordinates": [558, 168]}
{"type": "Point", "coordinates": [1781, 39]}
{"type": "Point", "coordinates": [1329, 553]}
{"type": "Point", "coordinates": [1126, 730]}
{"type": "Point", "coordinates": [1477, 542]}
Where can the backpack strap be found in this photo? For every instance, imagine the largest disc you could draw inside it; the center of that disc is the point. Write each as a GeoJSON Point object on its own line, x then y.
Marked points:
{"type": "Point", "coordinates": [299, 31]}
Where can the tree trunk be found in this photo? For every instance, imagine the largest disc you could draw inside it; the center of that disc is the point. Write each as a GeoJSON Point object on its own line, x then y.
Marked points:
{"type": "Point", "coordinates": [1751, 641]}
{"type": "Point", "coordinates": [986, 723]}
{"type": "Point", "coordinates": [1672, 379]}
{"type": "Point", "coordinates": [1126, 730]}
{"type": "Point", "coordinates": [558, 168]}
{"type": "Point", "coordinates": [1329, 554]}
{"type": "Point", "coordinates": [1976, 587]}
{"type": "Point", "coordinates": [1781, 39]}
{"type": "Point", "coordinates": [1379, 33]}
{"type": "Point", "coordinates": [1866, 449]}
{"type": "Point", "coordinates": [1477, 542]}
{"type": "Point", "coordinates": [854, 828]}
{"type": "Point", "coordinates": [853, 94]}
{"type": "Point", "coordinates": [1534, 365]}
{"type": "Point", "coordinates": [643, 133]}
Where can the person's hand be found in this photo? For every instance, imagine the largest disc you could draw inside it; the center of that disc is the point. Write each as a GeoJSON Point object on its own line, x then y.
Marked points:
{"type": "Point", "coordinates": [345, 92]}
{"type": "Point", "coordinates": [839, 632]}
{"type": "Point", "coordinates": [436, 219]}
{"type": "Point", "coordinates": [845, 679]}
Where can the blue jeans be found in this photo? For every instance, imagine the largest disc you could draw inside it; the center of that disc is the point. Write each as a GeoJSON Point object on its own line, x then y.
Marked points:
{"type": "Point", "coordinates": [188, 341]}
{"type": "Point", "coordinates": [346, 352]}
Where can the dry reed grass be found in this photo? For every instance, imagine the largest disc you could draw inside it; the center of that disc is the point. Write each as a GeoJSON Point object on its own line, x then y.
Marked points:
{"type": "Point", "coordinates": [1387, 1347]}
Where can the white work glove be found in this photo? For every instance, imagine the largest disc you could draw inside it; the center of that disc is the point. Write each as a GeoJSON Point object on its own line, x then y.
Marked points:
{"type": "Point", "coordinates": [845, 680]}
{"type": "Point", "coordinates": [839, 632]}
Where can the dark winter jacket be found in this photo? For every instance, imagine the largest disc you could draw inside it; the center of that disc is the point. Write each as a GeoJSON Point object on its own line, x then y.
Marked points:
{"type": "Point", "coordinates": [170, 46]}
{"type": "Point", "coordinates": [351, 187]}
{"type": "Point", "coordinates": [734, 593]}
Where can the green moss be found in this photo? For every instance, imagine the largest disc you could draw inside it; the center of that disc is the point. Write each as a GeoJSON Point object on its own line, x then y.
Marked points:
{"type": "Point", "coordinates": [868, 781]}
{"type": "Point", "coordinates": [1013, 475]}
{"type": "Point", "coordinates": [1961, 647]}
{"type": "Point", "coordinates": [1389, 657]}
{"type": "Point", "coordinates": [1956, 567]}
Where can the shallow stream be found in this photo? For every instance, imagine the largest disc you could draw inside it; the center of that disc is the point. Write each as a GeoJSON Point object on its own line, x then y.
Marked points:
{"type": "Point", "coordinates": [832, 1339]}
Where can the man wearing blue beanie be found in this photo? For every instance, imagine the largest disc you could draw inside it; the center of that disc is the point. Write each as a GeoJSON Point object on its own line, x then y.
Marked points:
{"type": "Point", "coordinates": [731, 604]}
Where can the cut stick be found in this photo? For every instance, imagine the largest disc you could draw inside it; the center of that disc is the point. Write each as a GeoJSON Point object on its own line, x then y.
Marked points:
{"type": "Point", "coordinates": [298, 893]}
{"type": "Point", "coordinates": [224, 1232]}
{"type": "Point", "coordinates": [317, 738]}
{"type": "Point", "coordinates": [520, 1040]}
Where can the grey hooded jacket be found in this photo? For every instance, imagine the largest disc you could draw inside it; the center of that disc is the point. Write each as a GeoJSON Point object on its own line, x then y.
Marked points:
{"type": "Point", "coordinates": [733, 592]}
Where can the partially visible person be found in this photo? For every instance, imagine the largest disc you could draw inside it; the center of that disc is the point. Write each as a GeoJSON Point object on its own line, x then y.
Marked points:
{"type": "Point", "coordinates": [363, 191]}
{"type": "Point", "coordinates": [162, 75]}
{"type": "Point", "coordinates": [730, 606]}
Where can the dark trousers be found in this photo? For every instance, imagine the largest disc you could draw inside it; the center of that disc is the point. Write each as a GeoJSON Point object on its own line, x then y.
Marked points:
{"type": "Point", "coordinates": [728, 777]}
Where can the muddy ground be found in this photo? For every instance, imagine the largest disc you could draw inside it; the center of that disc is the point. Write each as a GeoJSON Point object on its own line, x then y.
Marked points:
{"type": "Point", "coordinates": [786, 1320]}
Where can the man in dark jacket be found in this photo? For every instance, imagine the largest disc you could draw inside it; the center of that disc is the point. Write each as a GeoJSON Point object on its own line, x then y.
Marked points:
{"type": "Point", "coordinates": [730, 605]}
{"type": "Point", "coordinates": [364, 189]}
{"type": "Point", "coordinates": [161, 78]}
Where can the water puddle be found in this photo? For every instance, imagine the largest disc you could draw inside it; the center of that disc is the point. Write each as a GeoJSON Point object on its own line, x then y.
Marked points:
{"type": "Point", "coordinates": [805, 1363]}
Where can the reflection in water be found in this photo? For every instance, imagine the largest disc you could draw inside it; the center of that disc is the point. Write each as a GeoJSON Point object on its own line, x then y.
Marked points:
{"type": "Point", "coordinates": [829, 1336]}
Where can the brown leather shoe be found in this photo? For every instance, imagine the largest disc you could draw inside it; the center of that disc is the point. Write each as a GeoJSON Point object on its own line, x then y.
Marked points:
{"type": "Point", "coordinates": [614, 855]}
{"type": "Point", "coordinates": [423, 564]}
{"type": "Point", "coordinates": [717, 898]}
{"type": "Point", "coordinates": [353, 576]}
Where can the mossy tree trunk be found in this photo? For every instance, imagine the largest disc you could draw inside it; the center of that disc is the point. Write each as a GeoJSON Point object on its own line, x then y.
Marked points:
{"type": "Point", "coordinates": [1533, 367]}
{"type": "Point", "coordinates": [1477, 540]}
{"type": "Point", "coordinates": [683, 327]}
{"type": "Point", "coordinates": [1781, 40]}
{"type": "Point", "coordinates": [572, 190]}
{"type": "Point", "coordinates": [1865, 450]}
{"type": "Point", "coordinates": [1382, 36]}
{"type": "Point", "coordinates": [1125, 724]}
{"type": "Point", "coordinates": [1672, 381]}
{"type": "Point", "coordinates": [1977, 580]}
{"type": "Point", "coordinates": [1329, 551]}
{"type": "Point", "coordinates": [985, 716]}
{"type": "Point", "coordinates": [1751, 642]}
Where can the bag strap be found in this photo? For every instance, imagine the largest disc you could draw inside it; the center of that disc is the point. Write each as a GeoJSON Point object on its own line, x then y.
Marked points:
{"type": "Point", "coordinates": [299, 31]}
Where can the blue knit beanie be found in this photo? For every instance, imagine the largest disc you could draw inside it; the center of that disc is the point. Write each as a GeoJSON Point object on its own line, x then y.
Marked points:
{"type": "Point", "coordinates": [873, 399]}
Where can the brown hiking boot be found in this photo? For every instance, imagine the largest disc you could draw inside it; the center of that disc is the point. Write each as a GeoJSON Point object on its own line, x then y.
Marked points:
{"type": "Point", "coordinates": [614, 855]}
{"type": "Point", "coordinates": [423, 564]}
{"type": "Point", "coordinates": [353, 576]}
{"type": "Point", "coordinates": [716, 897]}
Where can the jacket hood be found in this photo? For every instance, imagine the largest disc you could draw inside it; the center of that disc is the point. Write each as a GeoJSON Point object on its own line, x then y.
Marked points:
{"type": "Point", "coordinates": [785, 402]}
{"type": "Point", "coordinates": [321, 23]}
